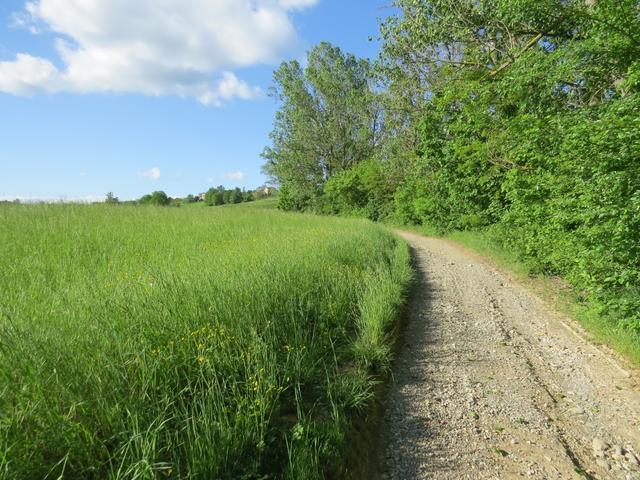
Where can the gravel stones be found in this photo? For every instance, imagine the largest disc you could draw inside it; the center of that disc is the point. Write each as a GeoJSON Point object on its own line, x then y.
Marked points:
{"type": "Point", "coordinates": [599, 447]}
{"type": "Point", "coordinates": [492, 369]}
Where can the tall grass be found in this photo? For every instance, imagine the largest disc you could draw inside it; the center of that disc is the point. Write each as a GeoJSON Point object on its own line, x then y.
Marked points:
{"type": "Point", "coordinates": [143, 343]}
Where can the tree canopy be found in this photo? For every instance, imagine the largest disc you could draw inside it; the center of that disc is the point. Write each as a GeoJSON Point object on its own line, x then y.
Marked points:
{"type": "Point", "coordinates": [328, 121]}
{"type": "Point", "coordinates": [519, 117]}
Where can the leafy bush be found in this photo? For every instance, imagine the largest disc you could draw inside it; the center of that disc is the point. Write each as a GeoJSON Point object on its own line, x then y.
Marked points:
{"type": "Point", "coordinates": [578, 213]}
{"type": "Point", "coordinates": [361, 190]}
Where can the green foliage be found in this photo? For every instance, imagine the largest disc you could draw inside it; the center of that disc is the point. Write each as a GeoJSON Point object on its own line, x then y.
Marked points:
{"type": "Point", "coordinates": [328, 121]}
{"type": "Point", "coordinates": [188, 343]}
{"type": "Point", "coordinates": [221, 196]}
{"type": "Point", "coordinates": [111, 199]}
{"type": "Point", "coordinates": [362, 190]}
{"type": "Point", "coordinates": [214, 196]}
{"type": "Point", "coordinates": [236, 196]}
{"type": "Point", "coordinates": [247, 196]}
{"type": "Point", "coordinates": [578, 214]}
{"type": "Point", "coordinates": [531, 127]}
{"type": "Point", "coordinates": [158, 198]}
{"type": "Point", "coordinates": [517, 116]}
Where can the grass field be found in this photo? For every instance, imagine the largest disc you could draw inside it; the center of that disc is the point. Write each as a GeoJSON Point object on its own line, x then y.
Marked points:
{"type": "Point", "coordinates": [144, 342]}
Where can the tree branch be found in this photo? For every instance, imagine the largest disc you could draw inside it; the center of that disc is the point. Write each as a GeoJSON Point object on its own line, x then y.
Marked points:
{"type": "Point", "coordinates": [529, 44]}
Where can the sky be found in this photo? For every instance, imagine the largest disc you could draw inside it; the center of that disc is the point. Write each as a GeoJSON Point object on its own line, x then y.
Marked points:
{"type": "Point", "coordinates": [102, 96]}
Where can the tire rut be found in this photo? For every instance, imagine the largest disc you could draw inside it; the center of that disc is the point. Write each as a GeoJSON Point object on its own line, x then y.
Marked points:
{"type": "Point", "coordinates": [522, 346]}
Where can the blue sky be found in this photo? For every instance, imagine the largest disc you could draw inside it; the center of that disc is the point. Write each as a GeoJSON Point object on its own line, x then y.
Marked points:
{"type": "Point", "coordinates": [89, 104]}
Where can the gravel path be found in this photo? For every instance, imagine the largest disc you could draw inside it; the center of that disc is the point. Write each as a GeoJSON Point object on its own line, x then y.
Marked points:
{"type": "Point", "coordinates": [491, 384]}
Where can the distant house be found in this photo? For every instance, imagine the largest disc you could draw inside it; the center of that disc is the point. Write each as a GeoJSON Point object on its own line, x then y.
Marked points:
{"type": "Point", "coordinates": [199, 197]}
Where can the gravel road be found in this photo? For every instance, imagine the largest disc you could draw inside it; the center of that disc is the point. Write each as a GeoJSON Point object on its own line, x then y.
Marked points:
{"type": "Point", "coordinates": [492, 384]}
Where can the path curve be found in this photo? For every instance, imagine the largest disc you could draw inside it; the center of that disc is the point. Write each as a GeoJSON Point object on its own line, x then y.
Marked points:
{"type": "Point", "coordinates": [492, 384]}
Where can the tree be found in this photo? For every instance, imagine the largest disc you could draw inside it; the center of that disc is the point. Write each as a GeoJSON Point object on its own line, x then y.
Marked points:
{"type": "Point", "coordinates": [111, 198]}
{"type": "Point", "coordinates": [214, 196]}
{"type": "Point", "coordinates": [236, 195]}
{"type": "Point", "coordinates": [227, 196]}
{"type": "Point", "coordinates": [156, 198]}
{"type": "Point", "coordinates": [220, 195]}
{"type": "Point", "coordinates": [247, 196]}
{"type": "Point", "coordinates": [490, 74]}
{"type": "Point", "coordinates": [519, 117]}
{"type": "Point", "coordinates": [160, 198]}
{"type": "Point", "coordinates": [329, 120]}
{"type": "Point", "coordinates": [525, 124]}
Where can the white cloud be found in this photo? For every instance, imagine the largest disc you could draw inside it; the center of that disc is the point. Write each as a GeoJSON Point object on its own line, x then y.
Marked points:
{"type": "Point", "coordinates": [27, 74]}
{"type": "Point", "coordinates": [226, 89]}
{"type": "Point", "coordinates": [187, 48]}
{"type": "Point", "coordinates": [153, 174]}
{"type": "Point", "coordinates": [299, 4]}
{"type": "Point", "coordinates": [210, 179]}
{"type": "Point", "coordinates": [235, 176]}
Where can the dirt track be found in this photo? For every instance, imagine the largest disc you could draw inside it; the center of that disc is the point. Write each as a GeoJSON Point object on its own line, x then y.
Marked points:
{"type": "Point", "coordinates": [491, 383]}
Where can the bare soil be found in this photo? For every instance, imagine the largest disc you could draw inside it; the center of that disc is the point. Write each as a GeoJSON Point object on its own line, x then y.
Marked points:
{"type": "Point", "coordinates": [492, 384]}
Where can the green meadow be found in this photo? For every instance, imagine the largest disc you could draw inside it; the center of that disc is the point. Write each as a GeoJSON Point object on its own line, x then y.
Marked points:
{"type": "Point", "coordinates": [147, 342]}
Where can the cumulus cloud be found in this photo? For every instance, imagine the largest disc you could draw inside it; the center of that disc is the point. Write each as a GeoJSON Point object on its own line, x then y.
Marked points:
{"type": "Point", "coordinates": [27, 74]}
{"type": "Point", "coordinates": [235, 176]}
{"type": "Point", "coordinates": [153, 174]}
{"type": "Point", "coordinates": [187, 48]}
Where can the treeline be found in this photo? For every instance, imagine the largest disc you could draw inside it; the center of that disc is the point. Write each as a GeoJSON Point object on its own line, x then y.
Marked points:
{"type": "Point", "coordinates": [221, 196]}
{"type": "Point", "coordinates": [517, 117]}
{"type": "Point", "coordinates": [212, 197]}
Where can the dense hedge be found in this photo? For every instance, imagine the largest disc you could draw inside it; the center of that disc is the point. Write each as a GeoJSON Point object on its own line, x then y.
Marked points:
{"type": "Point", "coordinates": [568, 206]}
{"type": "Point", "coordinates": [521, 117]}
{"type": "Point", "coordinates": [577, 213]}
